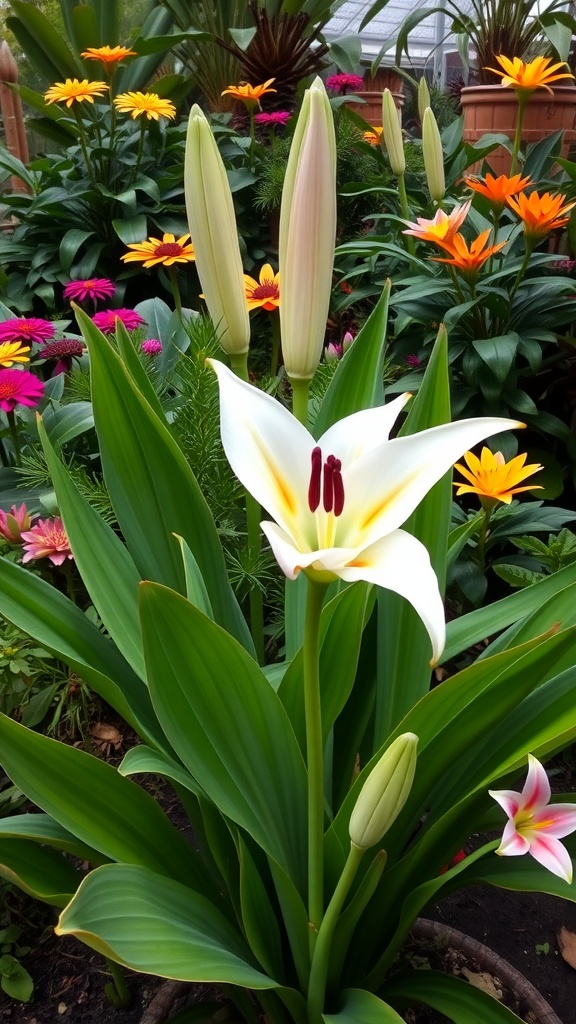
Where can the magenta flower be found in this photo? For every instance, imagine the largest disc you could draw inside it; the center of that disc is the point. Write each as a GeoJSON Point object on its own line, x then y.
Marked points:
{"type": "Point", "coordinates": [13, 522]}
{"type": "Point", "coordinates": [28, 329]}
{"type": "Point", "coordinates": [47, 539]}
{"type": "Point", "coordinates": [412, 360]}
{"type": "Point", "coordinates": [342, 84]}
{"type": "Point", "coordinates": [274, 117]}
{"type": "Point", "coordinates": [18, 387]}
{"type": "Point", "coordinates": [347, 341]}
{"type": "Point", "coordinates": [93, 288]}
{"type": "Point", "coordinates": [535, 826]}
{"type": "Point", "coordinates": [64, 351]}
{"type": "Point", "coordinates": [333, 352]}
{"type": "Point", "coordinates": [151, 347]}
{"type": "Point", "coordinates": [106, 320]}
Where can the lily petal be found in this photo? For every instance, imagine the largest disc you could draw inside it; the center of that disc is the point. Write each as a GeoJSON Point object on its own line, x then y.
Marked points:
{"type": "Point", "coordinates": [552, 855]}
{"type": "Point", "coordinates": [513, 843]}
{"type": "Point", "coordinates": [556, 820]}
{"type": "Point", "coordinates": [362, 431]}
{"type": "Point", "coordinates": [292, 561]}
{"type": "Point", "coordinates": [508, 800]}
{"type": "Point", "coordinates": [536, 792]}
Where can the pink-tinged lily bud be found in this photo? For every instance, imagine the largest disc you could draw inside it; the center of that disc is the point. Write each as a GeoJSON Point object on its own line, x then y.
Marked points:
{"type": "Point", "coordinates": [333, 353]}
{"type": "Point", "coordinates": [214, 235]}
{"type": "Point", "coordinates": [384, 793]}
{"type": "Point", "coordinates": [433, 156]}
{"type": "Point", "coordinates": [14, 522]}
{"type": "Point", "coordinates": [307, 235]}
{"type": "Point", "coordinates": [347, 341]}
{"type": "Point", "coordinates": [423, 97]}
{"type": "Point", "coordinates": [393, 133]}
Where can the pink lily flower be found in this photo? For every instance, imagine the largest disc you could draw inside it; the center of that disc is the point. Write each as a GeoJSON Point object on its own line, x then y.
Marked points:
{"type": "Point", "coordinates": [535, 826]}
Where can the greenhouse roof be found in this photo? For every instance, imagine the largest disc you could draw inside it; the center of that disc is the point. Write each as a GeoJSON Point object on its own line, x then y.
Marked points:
{"type": "Point", "coordinates": [348, 17]}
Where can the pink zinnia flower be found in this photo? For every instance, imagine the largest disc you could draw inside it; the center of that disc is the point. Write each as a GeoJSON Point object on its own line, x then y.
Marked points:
{"type": "Point", "coordinates": [106, 320]}
{"type": "Point", "coordinates": [151, 347]}
{"type": "Point", "coordinates": [92, 288]}
{"type": "Point", "coordinates": [342, 83]}
{"type": "Point", "coordinates": [64, 351]}
{"type": "Point", "coordinates": [18, 387]}
{"type": "Point", "coordinates": [274, 117]}
{"type": "Point", "coordinates": [47, 539]}
{"type": "Point", "coordinates": [26, 329]}
{"type": "Point", "coordinates": [13, 522]}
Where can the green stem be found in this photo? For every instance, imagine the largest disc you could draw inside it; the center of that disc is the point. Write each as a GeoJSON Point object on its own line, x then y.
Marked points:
{"type": "Point", "coordinates": [256, 597]}
{"type": "Point", "coordinates": [481, 550]}
{"type": "Point", "coordinates": [3, 456]}
{"type": "Point", "coordinates": [275, 356]}
{"type": "Point", "coordinates": [405, 212]}
{"type": "Point", "coordinates": [523, 268]}
{"type": "Point", "coordinates": [15, 437]}
{"type": "Point", "coordinates": [67, 570]}
{"type": "Point", "coordinates": [522, 101]}
{"type": "Point", "coordinates": [239, 365]}
{"type": "Point", "coordinates": [117, 992]}
{"type": "Point", "coordinates": [300, 389]}
{"type": "Point", "coordinates": [173, 275]}
{"type": "Point", "coordinates": [314, 757]}
{"type": "Point", "coordinates": [252, 136]}
{"type": "Point", "coordinates": [140, 149]}
{"type": "Point", "coordinates": [321, 957]}
{"type": "Point", "coordinates": [456, 284]}
{"type": "Point", "coordinates": [84, 148]}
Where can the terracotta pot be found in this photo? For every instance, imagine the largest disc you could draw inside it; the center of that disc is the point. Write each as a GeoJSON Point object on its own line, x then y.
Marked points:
{"type": "Point", "coordinates": [531, 1006]}
{"type": "Point", "coordinates": [371, 109]}
{"type": "Point", "coordinates": [491, 108]}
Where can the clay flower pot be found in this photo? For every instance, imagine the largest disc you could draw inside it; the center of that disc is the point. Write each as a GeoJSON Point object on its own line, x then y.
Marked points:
{"type": "Point", "coordinates": [490, 108]}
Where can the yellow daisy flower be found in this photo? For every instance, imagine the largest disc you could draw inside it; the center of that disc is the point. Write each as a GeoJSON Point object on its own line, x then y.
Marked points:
{"type": "Point", "coordinates": [13, 352]}
{"type": "Point", "coordinates": [537, 74]}
{"type": "Point", "coordinates": [167, 250]}
{"type": "Point", "coordinates": [492, 478]}
{"type": "Point", "coordinates": [249, 94]}
{"type": "Point", "coordinates": [373, 136]}
{"type": "Point", "coordinates": [144, 104]}
{"type": "Point", "coordinates": [108, 54]}
{"type": "Point", "coordinates": [74, 91]}
{"type": "Point", "coordinates": [264, 293]}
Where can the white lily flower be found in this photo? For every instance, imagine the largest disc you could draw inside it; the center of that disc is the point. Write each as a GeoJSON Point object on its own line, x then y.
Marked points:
{"type": "Point", "coordinates": [338, 502]}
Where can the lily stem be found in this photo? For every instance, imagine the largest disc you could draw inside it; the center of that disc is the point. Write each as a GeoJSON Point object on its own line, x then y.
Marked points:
{"type": "Point", "coordinates": [300, 389]}
{"type": "Point", "coordinates": [405, 212]}
{"type": "Point", "coordinates": [314, 757]}
{"type": "Point", "coordinates": [239, 365]}
{"type": "Point", "coordinates": [118, 992]}
{"type": "Point", "coordinates": [15, 437]}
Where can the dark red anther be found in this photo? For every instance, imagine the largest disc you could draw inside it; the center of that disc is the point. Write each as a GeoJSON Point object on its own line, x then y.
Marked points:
{"type": "Point", "coordinates": [315, 479]}
{"type": "Point", "coordinates": [328, 489]}
{"type": "Point", "coordinates": [337, 487]}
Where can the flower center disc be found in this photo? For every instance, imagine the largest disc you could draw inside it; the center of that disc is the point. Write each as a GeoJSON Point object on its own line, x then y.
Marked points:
{"type": "Point", "coordinates": [265, 291]}
{"type": "Point", "coordinates": [168, 249]}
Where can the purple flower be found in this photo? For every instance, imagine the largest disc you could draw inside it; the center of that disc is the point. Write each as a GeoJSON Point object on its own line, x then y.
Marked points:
{"type": "Point", "coordinates": [106, 320]}
{"type": "Point", "coordinates": [92, 288]}
{"type": "Point", "coordinates": [64, 351]}
{"type": "Point", "coordinates": [275, 117]}
{"type": "Point", "coordinates": [412, 360]}
{"type": "Point", "coordinates": [342, 84]}
{"type": "Point", "coordinates": [151, 347]}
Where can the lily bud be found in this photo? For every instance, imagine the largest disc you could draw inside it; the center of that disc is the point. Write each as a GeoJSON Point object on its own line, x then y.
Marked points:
{"type": "Point", "coordinates": [214, 235]}
{"type": "Point", "coordinates": [392, 133]}
{"type": "Point", "coordinates": [384, 793]}
{"type": "Point", "coordinates": [433, 156]}
{"type": "Point", "coordinates": [307, 235]}
{"type": "Point", "coordinates": [423, 97]}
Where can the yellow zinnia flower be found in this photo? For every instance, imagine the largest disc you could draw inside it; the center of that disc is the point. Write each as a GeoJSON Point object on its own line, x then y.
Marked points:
{"type": "Point", "coordinates": [13, 352]}
{"type": "Point", "coordinates": [374, 136]}
{"type": "Point", "coordinates": [264, 294]}
{"type": "Point", "coordinates": [494, 479]}
{"type": "Point", "coordinates": [248, 93]}
{"type": "Point", "coordinates": [167, 250]}
{"type": "Point", "coordinates": [541, 214]}
{"type": "Point", "coordinates": [527, 77]}
{"type": "Point", "coordinates": [108, 54]}
{"type": "Point", "coordinates": [144, 104]}
{"type": "Point", "coordinates": [73, 91]}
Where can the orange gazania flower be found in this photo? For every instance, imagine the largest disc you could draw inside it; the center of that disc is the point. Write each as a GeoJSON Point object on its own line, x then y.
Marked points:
{"type": "Point", "coordinates": [73, 91]}
{"type": "Point", "coordinates": [108, 54]}
{"type": "Point", "coordinates": [540, 214]}
{"type": "Point", "coordinates": [167, 251]}
{"type": "Point", "coordinates": [527, 77]}
{"type": "Point", "coordinates": [248, 93]}
{"type": "Point", "coordinates": [265, 293]}
{"type": "Point", "coordinates": [469, 260]}
{"type": "Point", "coordinates": [497, 190]}
{"type": "Point", "coordinates": [374, 136]}
{"type": "Point", "coordinates": [492, 478]}
{"type": "Point", "coordinates": [144, 104]}
{"type": "Point", "coordinates": [442, 229]}
{"type": "Point", "coordinates": [13, 352]}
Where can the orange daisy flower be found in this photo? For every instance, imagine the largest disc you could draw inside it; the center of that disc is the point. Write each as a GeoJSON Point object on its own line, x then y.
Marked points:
{"type": "Point", "coordinates": [468, 260]}
{"type": "Point", "coordinates": [374, 136]}
{"type": "Point", "coordinates": [527, 77]}
{"type": "Point", "coordinates": [249, 94]}
{"type": "Point", "coordinates": [541, 214]}
{"type": "Point", "coordinates": [108, 54]}
{"type": "Point", "coordinates": [497, 190]}
{"type": "Point", "coordinates": [167, 251]}
{"type": "Point", "coordinates": [73, 91]}
{"type": "Point", "coordinates": [492, 478]}
{"type": "Point", "coordinates": [442, 229]}
{"type": "Point", "coordinates": [265, 293]}
{"type": "Point", "coordinates": [144, 104]}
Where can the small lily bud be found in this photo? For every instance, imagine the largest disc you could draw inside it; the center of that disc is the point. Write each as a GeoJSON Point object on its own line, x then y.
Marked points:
{"type": "Point", "coordinates": [423, 97]}
{"type": "Point", "coordinates": [347, 341]}
{"type": "Point", "coordinates": [392, 133]}
{"type": "Point", "coordinates": [433, 156]}
{"type": "Point", "coordinates": [384, 793]}
{"type": "Point", "coordinates": [214, 235]}
{"type": "Point", "coordinates": [307, 235]}
{"type": "Point", "coordinates": [333, 353]}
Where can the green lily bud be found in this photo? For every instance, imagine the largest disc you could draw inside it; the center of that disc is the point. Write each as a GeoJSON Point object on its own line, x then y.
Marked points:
{"type": "Point", "coordinates": [392, 133]}
{"type": "Point", "coordinates": [433, 156]}
{"type": "Point", "coordinates": [423, 97]}
{"type": "Point", "coordinates": [384, 793]}
{"type": "Point", "coordinates": [214, 235]}
{"type": "Point", "coordinates": [307, 235]}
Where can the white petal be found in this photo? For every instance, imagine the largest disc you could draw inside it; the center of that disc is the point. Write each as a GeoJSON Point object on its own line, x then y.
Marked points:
{"type": "Point", "coordinates": [508, 799]}
{"type": "Point", "coordinates": [401, 563]}
{"type": "Point", "coordinates": [556, 820]}
{"type": "Point", "coordinates": [384, 486]}
{"type": "Point", "coordinates": [291, 560]}
{"type": "Point", "coordinates": [362, 431]}
{"type": "Point", "coordinates": [513, 843]}
{"type": "Point", "coordinates": [269, 451]}
{"type": "Point", "coordinates": [552, 855]}
{"type": "Point", "coordinates": [536, 792]}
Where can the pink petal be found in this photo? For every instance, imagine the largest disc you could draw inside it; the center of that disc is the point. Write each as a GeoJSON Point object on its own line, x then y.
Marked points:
{"type": "Point", "coordinates": [557, 820]}
{"type": "Point", "coordinates": [553, 856]}
{"type": "Point", "coordinates": [536, 792]}
{"type": "Point", "coordinates": [513, 844]}
{"type": "Point", "coordinates": [508, 800]}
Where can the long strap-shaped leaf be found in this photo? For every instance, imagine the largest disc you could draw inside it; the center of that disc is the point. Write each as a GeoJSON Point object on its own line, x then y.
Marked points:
{"type": "Point", "coordinates": [41, 828]}
{"type": "Point", "coordinates": [39, 871]}
{"type": "Point", "coordinates": [227, 725]}
{"type": "Point", "coordinates": [360, 1007]}
{"type": "Point", "coordinates": [151, 486]}
{"type": "Point", "coordinates": [462, 1002]}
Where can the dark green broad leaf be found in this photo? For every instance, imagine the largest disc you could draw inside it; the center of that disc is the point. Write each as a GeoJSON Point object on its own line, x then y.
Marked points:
{"type": "Point", "coordinates": [158, 926]}
{"type": "Point", "coordinates": [41, 828]}
{"type": "Point", "coordinates": [153, 490]}
{"type": "Point", "coordinates": [360, 1007]}
{"type": "Point", "coordinates": [463, 1003]}
{"type": "Point", "coordinates": [39, 871]}
{"type": "Point", "coordinates": [498, 353]}
{"type": "Point", "coordinates": [227, 725]}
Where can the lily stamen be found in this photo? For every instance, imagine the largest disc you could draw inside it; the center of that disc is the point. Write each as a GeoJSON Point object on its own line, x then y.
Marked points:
{"type": "Point", "coordinates": [315, 479]}
{"type": "Point", "coordinates": [326, 482]}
